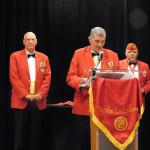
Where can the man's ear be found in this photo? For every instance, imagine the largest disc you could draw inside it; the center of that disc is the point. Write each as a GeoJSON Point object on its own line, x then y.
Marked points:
{"type": "Point", "coordinates": [89, 39]}
{"type": "Point", "coordinates": [125, 53]}
{"type": "Point", "coordinates": [36, 41]}
{"type": "Point", "coordinates": [23, 42]}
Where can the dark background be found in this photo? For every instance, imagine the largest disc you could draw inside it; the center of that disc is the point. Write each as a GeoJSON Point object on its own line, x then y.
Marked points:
{"type": "Point", "coordinates": [61, 27]}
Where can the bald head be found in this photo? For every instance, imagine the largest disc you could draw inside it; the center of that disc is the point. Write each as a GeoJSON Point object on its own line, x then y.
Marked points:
{"type": "Point", "coordinates": [30, 41]}
{"type": "Point", "coordinates": [29, 34]}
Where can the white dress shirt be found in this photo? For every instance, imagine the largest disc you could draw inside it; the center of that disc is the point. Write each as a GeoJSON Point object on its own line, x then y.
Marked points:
{"type": "Point", "coordinates": [32, 67]}
{"type": "Point", "coordinates": [134, 70]}
{"type": "Point", "coordinates": [96, 61]}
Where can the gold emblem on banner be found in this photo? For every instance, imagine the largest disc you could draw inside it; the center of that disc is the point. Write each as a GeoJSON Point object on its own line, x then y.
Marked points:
{"type": "Point", "coordinates": [42, 66]}
{"type": "Point", "coordinates": [32, 87]}
{"type": "Point", "coordinates": [144, 73]}
{"type": "Point", "coordinates": [120, 123]}
{"type": "Point", "coordinates": [110, 64]}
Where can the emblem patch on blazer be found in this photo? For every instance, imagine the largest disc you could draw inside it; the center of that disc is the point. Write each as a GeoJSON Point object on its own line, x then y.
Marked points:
{"type": "Point", "coordinates": [120, 123]}
{"type": "Point", "coordinates": [144, 73]}
{"type": "Point", "coordinates": [42, 66]}
{"type": "Point", "coordinates": [110, 64]}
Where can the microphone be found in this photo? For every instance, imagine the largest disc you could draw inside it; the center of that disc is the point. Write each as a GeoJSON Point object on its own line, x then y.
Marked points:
{"type": "Point", "coordinates": [94, 69]}
{"type": "Point", "coordinates": [100, 56]}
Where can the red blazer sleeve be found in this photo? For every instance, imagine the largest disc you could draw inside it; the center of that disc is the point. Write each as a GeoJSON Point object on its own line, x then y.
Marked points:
{"type": "Point", "coordinates": [73, 78]}
{"type": "Point", "coordinates": [147, 82]}
{"type": "Point", "coordinates": [17, 84]}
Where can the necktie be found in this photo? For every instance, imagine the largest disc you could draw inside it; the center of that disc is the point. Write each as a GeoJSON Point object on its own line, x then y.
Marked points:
{"type": "Point", "coordinates": [132, 63]}
{"type": "Point", "coordinates": [95, 54]}
{"type": "Point", "coordinates": [31, 55]}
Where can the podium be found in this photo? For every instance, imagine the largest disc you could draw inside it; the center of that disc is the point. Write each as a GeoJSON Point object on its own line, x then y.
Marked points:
{"type": "Point", "coordinates": [98, 139]}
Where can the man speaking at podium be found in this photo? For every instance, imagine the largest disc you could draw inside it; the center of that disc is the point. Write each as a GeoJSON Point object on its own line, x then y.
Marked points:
{"type": "Point", "coordinates": [138, 68]}
{"type": "Point", "coordinates": [85, 59]}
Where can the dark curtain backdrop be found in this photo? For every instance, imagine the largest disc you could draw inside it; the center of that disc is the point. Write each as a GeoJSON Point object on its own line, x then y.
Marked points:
{"type": "Point", "coordinates": [61, 27]}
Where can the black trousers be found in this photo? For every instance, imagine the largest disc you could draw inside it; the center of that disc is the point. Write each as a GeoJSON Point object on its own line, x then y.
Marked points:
{"type": "Point", "coordinates": [27, 127]}
{"type": "Point", "coordinates": [82, 133]}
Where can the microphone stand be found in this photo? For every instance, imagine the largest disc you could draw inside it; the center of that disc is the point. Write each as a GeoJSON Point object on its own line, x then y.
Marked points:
{"type": "Point", "coordinates": [94, 69]}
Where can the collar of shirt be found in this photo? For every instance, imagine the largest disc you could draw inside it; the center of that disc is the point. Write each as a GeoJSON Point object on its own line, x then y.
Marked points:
{"type": "Point", "coordinates": [28, 52]}
{"type": "Point", "coordinates": [94, 53]}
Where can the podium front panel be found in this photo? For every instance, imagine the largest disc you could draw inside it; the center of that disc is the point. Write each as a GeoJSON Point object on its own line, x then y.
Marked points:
{"type": "Point", "coordinates": [100, 142]}
{"type": "Point", "coordinates": [105, 144]}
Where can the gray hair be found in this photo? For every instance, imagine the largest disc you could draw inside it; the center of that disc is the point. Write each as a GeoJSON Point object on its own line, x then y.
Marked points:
{"type": "Point", "coordinates": [98, 31]}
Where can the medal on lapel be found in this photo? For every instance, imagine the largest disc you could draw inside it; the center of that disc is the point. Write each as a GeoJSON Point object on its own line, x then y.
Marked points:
{"type": "Point", "coordinates": [110, 64]}
{"type": "Point", "coordinates": [144, 73]}
{"type": "Point", "coordinates": [42, 66]}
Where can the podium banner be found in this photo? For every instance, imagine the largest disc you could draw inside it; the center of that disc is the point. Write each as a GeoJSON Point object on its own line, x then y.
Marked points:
{"type": "Point", "coordinates": [116, 107]}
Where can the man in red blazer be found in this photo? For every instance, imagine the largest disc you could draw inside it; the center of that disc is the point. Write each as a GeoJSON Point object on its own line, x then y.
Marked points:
{"type": "Point", "coordinates": [30, 77]}
{"type": "Point", "coordinates": [138, 68]}
{"type": "Point", "coordinates": [78, 74]}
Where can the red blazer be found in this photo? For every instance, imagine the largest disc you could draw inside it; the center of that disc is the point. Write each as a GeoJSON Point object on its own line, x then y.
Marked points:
{"type": "Point", "coordinates": [81, 62]}
{"type": "Point", "coordinates": [20, 78]}
{"type": "Point", "coordinates": [144, 74]}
